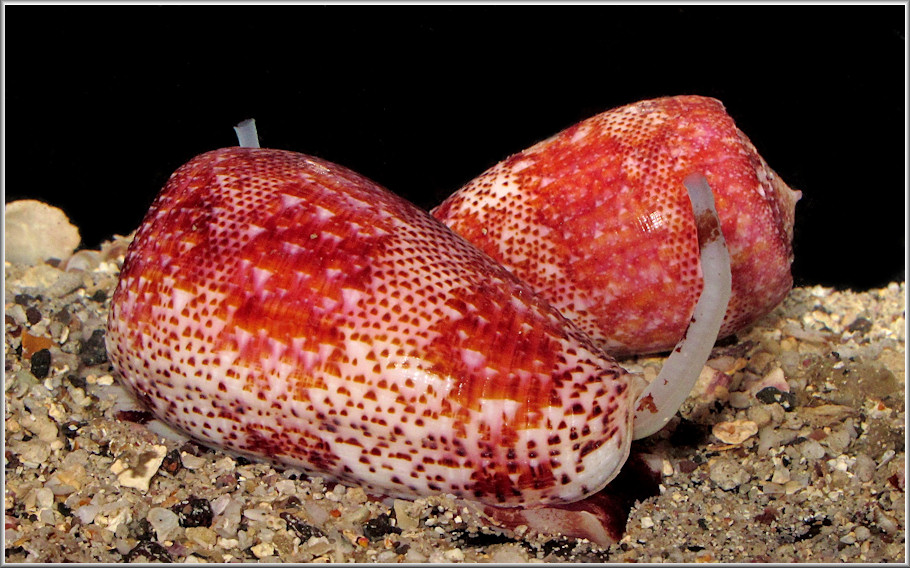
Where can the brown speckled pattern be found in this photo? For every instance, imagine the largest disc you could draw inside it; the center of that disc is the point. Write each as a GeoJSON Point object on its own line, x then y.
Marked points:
{"type": "Point", "coordinates": [597, 220]}
{"type": "Point", "coordinates": [280, 305]}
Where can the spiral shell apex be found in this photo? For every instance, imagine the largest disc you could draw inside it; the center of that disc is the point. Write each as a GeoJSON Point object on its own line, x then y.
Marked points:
{"type": "Point", "coordinates": [284, 306]}
{"type": "Point", "coordinates": [596, 220]}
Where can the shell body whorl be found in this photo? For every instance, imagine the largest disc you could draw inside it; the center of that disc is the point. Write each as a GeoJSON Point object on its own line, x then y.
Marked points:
{"type": "Point", "coordinates": [596, 219]}
{"type": "Point", "coordinates": [279, 305]}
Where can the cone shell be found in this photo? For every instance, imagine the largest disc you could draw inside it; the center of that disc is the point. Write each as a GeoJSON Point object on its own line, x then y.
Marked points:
{"type": "Point", "coordinates": [597, 220]}
{"type": "Point", "coordinates": [285, 307]}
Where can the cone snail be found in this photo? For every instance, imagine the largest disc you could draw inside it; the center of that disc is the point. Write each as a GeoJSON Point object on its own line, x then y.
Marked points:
{"type": "Point", "coordinates": [595, 219]}
{"type": "Point", "coordinates": [282, 306]}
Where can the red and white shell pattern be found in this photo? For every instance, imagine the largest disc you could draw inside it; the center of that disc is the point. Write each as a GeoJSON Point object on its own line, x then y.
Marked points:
{"type": "Point", "coordinates": [286, 307]}
{"type": "Point", "coordinates": [597, 220]}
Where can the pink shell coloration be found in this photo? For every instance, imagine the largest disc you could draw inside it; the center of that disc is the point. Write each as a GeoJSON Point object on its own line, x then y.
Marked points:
{"type": "Point", "coordinates": [283, 306]}
{"type": "Point", "coordinates": [596, 219]}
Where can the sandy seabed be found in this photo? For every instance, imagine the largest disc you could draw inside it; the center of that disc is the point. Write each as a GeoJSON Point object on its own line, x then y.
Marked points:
{"type": "Point", "coordinates": [816, 474]}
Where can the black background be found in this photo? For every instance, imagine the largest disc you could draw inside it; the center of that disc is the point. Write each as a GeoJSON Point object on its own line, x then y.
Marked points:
{"type": "Point", "coordinates": [103, 103]}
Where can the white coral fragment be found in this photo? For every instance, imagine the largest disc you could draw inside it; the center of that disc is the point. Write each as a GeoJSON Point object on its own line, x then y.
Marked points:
{"type": "Point", "coordinates": [35, 232]}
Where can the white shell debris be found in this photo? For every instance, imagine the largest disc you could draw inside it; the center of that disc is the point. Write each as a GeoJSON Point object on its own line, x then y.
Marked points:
{"type": "Point", "coordinates": [735, 431]}
{"type": "Point", "coordinates": [136, 470]}
{"type": "Point", "coordinates": [35, 231]}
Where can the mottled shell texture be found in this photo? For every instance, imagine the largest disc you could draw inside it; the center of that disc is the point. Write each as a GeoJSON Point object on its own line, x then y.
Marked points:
{"type": "Point", "coordinates": [284, 306]}
{"type": "Point", "coordinates": [597, 220]}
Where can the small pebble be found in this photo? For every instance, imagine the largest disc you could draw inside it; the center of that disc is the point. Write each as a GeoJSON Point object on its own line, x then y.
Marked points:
{"type": "Point", "coordinates": [43, 427]}
{"type": "Point", "coordinates": [93, 351]}
{"type": "Point", "coordinates": [194, 512]}
{"type": "Point", "coordinates": [191, 462]}
{"type": "Point", "coordinates": [165, 523]}
{"type": "Point", "coordinates": [781, 476]}
{"type": "Point", "coordinates": [33, 315]}
{"type": "Point", "coordinates": [771, 488]}
{"type": "Point", "coordinates": [406, 520]}
{"type": "Point", "coordinates": [66, 283]}
{"type": "Point", "coordinates": [203, 536]}
{"type": "Point", "coordinates": [770, 395]}
{"type": "Point", "coordinates": [860, 325]}
{"type": "Point", "coordinates": [734, 432]}
{"type": "Point", "coordinates": [413, 556]}
{"type": "Point", "coordinates": [35, 231]}
{"type": "Point", "coordinates": [33, 453]}
{"type": "Point", "coordinates": [23, 299]}
{"type": "Point", "coordinates": [508, 554]}
{"type": "Point", "coordinates": [262, 550]}
{"type": "Point", "coordinates": [256, 514]}
{"type": "Point", "coordinates": [227, 523]}
{"type": "Point", "coordinates": [812, 450]}
{"type": "Point", "coordinates": [171, 462]}
{"type": "Point", "coordinates": [41, 363]}
{"type": "Point", "coordinates": [864, 468]}
{"type": "Point", "coordinates": [86, 513]}
{"type": "Point", "coordinates": [885, 522]}
{"type": "Point", "coordinates": [286, 487]}
{"type": "Point", "coordinates": [301, 528]}
{"type": "Point", "coordinates": [148, 551]}
{"type": "Point", "coordinates": [740, 400]}
{"type": "Point", "coordinates": [137, 469]}
{"type": "Point", "coordinates": [379, 527]}
{"type": "Point", "coordinates": [40, 498]}
{"type": "Point", "coordinates": [727, 473]}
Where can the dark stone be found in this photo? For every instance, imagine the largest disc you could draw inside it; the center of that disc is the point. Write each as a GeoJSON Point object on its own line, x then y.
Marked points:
{"type": "Point", "coordinates": [77, 381]}
{"type": "Point", "coordinates": [814, 529]}
{"type": "Point", "coordinates": [148, 551]}
{"type": "Point", "coordinates": [33, 315]}
{"type": "Point", "coordinates": [41, 363]}
{"type": "Point", "coordinates": [770, 395]}
{"type": "Point", "coordinates": [861, 325]}
{"type": "Point", "coordinates": [193, 512]}
{"type": "Point", "coordinates": [12, 460]}
{"type": "Point", "coordinates": [172, 462]}
{"type": "Point", "coordinates": [379, 527]}
{"type": "Point", "coordinates": [93, 351]}
{"type": "Point", "coordinates": [479, 539]}
{"type": "Point", "coordinates": [767, 516]}
{"type": "Point", "coordinates": [142, 530]}
{"type": "Point", "coordinates": [228, 480]}
{"type": "Point", "coordinates": [63, 316]}
{"type": "Point", "coordinates": [23, 299]}
{"type": "Point", "coordinates": [402, 548]}
{"type": "Point", "coordinates": [288, 502]}
{"type": "Point", "coordinates": [303, 529]}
